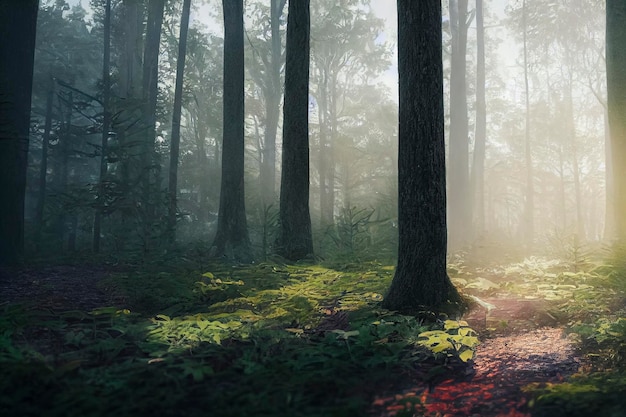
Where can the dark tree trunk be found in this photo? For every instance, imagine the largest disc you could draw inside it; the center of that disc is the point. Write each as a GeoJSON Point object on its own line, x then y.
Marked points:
{"type": "Point", "coordinates": [130, 64]}
{"type": "Point", "coordinates": [460, 196]}
{"type": "Point", "coordinates": [150, 89]}
{"type": "Point", "coordinates": [106, 125]}
{"type": "Point", "coordinates": [18, 21]}
{"type": "Point", "coordinates": [130, 88]}
{"type": "Point", "coordinates": [178, 103]}
{"type": "Point", "coordinates": [420, 279]}
{"type": "Point", "coordinates": [478, 166]}
{"type": "Point", "coordinates": [616, 100]}
{"type": "Point", "coordinates": [231, 239]}
{"type": "Point", "coordinates": [296, 241]}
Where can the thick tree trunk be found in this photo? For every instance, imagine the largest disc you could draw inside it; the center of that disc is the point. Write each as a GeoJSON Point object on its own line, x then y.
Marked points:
{"type": "Point", "coordinates": [420, 279]}
{"type": "Point", "coordinates": [130, 89]}
{"type": "Point", "coordinates": [616, 101]}
{"type": "Point", "coordinates": [295, 221]}
{"type": "Point", "coordinates": [460, 206]}
{"type": "Point", "coordinates": [178, 103]}
{"type": "Point", "coordinates": [231, 239]}
{"type": "Point", "coordinates": [18, 21]}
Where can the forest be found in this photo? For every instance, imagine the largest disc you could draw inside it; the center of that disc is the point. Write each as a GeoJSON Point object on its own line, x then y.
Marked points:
{"type": "Point", "coordinates": [313, 208]}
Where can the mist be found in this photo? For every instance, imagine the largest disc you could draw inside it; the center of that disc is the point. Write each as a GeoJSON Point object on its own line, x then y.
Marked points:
{"type": "Point", "coordinates": [327, 207]}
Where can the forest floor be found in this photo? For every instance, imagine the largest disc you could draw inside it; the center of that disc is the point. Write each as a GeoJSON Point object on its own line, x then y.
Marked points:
{"type": "Point", "coordinates": [508, 359]}
{"type": "Point", "coordinates": [527, 346]}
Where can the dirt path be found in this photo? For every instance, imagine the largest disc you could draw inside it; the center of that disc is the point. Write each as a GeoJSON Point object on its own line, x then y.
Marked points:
{"type": "Point", "coordinates": [511, 356]}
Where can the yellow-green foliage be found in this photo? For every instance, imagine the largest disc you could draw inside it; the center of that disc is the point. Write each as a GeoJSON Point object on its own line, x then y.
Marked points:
{"type": "Point", "coordinates": [456, 338]}
{"type": "Point", "coordinates": [271, 339]}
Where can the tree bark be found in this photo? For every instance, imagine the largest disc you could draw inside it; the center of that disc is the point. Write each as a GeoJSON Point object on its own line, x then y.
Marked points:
{"type": "Point", "coordinates": [296, 240]}
{"type": "Point", "coordinates": [178, 102]}
{"type": "Point", "coordinates": [18, 22]}
{"type": "Point", "coordinates": [616, 100]}
{"type": "Point", "coordinates": [420, 279]}
{"type": "Point", "coordinates": [231, 239]}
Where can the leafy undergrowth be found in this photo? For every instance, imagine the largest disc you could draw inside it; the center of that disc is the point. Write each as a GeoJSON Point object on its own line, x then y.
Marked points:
{"type": "Point", "coordinates": [587, 299]}
{"type": "Point", "coordinates": [264, 340]}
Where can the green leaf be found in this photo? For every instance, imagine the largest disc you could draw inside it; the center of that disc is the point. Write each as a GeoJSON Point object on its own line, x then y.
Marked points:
{"type": "Point", "coordinates": [466, 355]}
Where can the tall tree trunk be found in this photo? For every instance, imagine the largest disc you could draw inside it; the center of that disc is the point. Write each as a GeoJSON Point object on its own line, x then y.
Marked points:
{"type": "Point", "coordinates": [616, 101]}
{"type": "Point", "coordinates": [61, 169]}
{"type": "Point", "coordinates": [580, 222]}
{"type": "Point", "coordinates": [478, 166]}
{"type": "Point", "coordinates": [43, 166]}
{"type": "Point", "coordinates": [296, 240]}
{"type": "Point", "coordinates": [150, 89]}
{"type": "Point", "coordinates": [326, 178]}
{"type": "Point", "coordinates": [609, 211]}
{"type": "Point", "coordinates": [459, 189]}
{"type": "Point", "coordinates": [106, 125]}
{"type": "Point", "coordinates": [18, 22]}
{"type": "Point", "coordinates": [231, 239]}
{"type": "Point", "coordinates": [200, 132]}
{"type": "Point", "coordinates": [178, 102]}
{"type": "Point", "coordinates": [272, 108]}
{"type": "Point", "coordinates": [420, 279]}
{"type": "Point", "coordinates": [130, 87]}
{"type": "Point", "coordinates": [529, 206]}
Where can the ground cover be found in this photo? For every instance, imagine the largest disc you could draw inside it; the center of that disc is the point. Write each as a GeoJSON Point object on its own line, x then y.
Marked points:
{"type": "Point", "coordinates": [307, 340]}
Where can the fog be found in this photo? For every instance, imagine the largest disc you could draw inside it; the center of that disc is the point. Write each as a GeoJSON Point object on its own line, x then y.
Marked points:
{"type": "Point", "coordinates": [537, 183]}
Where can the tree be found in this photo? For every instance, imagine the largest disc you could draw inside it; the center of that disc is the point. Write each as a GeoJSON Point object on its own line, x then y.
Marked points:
{"type": "Point", "coordinates": [296, 241]}
{"type": "Point", "coordinates": [231, 238]}
{"type": "Point", "coordinates": [420, 278]}
{"type": "Point", "coordinates": [265, 70]}
{"type": "Point", "coordinates": [529, 205]}
{"type": "Point", "coordinates": [616, 88]}
{"type": "Point", "coordinates": [178, 102]}
{"type": "Point", "coordinates": [346, 53]}
{"type": "Point", "coordinates": [106, 123]}
{"type": "Point", "coordinates": [458, 167]}
{"type": "Point", "coordinates": [18, 20]}
{"type": "Point", "coordinates": [478, 165]}
{"type": "Point", "coordinates": [150, 89]}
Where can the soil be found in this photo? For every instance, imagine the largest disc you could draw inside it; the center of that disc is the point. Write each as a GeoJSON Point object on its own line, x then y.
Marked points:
{"type": "Point", "coordinates": [57, 288]}
{"type": "Point", "coordinates": [521, 343]}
